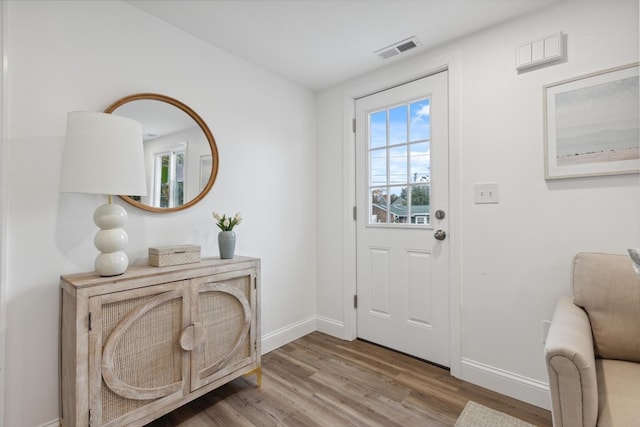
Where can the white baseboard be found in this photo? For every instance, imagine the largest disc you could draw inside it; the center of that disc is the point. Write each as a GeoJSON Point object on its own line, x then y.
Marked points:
{"type": "Point", "coordinates": [330, 327]}
{"type": "Point", "coordinates": [54, 423]}
{"type": "Point", "coordinates": [287, 334]}
{"type": "Point", "coordinates": [508, 383]}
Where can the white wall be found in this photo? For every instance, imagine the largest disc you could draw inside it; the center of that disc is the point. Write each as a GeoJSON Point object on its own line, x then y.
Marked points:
{"type": "Point", "coordinates": [513, 258]}
{"type": "Point", "coordinates": [70, 55]}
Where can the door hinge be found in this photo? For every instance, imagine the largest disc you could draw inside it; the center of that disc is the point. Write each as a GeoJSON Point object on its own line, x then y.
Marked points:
{"type": "Point", "coordinates": [89, 321]}
{"type": "Point", "coordinates": [255, 345]}
{"type": "Point", "coordinates": [355, 213]}
{"type": "Point", "coordinates": [89, 415]}
{"type": "Point", "coordinates": [255, 283]}
{"type": "Point", "coordinates": [353, 125]}
{"type": "Point", "coordinates": [355, 301]}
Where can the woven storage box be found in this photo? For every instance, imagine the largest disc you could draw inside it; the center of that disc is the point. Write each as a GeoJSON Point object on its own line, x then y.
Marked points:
{"type": "Point", "coordinates": [162, 256]}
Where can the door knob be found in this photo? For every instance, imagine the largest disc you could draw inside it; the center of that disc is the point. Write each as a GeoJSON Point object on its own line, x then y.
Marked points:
{"type": "Point", "coordinates": [440, 235]}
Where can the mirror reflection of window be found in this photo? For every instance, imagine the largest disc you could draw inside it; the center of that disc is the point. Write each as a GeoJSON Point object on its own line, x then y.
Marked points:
{"type": "Point", "coordinates": [166, 124]}
{"type": "Point", "coordinates": [168, 182]}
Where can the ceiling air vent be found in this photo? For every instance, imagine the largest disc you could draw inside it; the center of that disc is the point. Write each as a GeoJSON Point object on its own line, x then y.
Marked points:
{"type": "Point", "coordinates": [398, 48]}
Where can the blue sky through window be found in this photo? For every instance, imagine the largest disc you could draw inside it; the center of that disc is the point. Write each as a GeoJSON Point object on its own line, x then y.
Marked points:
{"type": "Point", "coordinates": [399, 144]}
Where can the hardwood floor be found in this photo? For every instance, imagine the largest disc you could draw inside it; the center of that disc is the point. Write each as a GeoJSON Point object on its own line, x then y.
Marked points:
{"type": "Point", "coordinates": [323, 381]}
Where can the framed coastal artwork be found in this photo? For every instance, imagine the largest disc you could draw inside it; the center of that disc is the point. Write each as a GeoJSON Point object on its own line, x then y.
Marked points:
{"type": "Point", "coordinates": [592, 124]}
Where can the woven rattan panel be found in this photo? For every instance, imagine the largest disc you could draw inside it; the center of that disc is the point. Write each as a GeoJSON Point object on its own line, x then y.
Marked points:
{"type": "Point", "coordinates": [222, 316]}
{"type": "Point", "coordinates": [147, 356]}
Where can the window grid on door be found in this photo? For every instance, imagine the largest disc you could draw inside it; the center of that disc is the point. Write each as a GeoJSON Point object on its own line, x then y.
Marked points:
{"type": "Point", "coordinates": [399, 164]}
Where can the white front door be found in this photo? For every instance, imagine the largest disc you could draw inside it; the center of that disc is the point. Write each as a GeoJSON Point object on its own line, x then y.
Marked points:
{"type": "Point", "coordinates": [402, 189]}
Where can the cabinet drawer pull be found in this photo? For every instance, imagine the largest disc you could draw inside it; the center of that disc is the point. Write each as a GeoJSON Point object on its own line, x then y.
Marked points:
{"type": "Point", "coordinates": [191, 337]}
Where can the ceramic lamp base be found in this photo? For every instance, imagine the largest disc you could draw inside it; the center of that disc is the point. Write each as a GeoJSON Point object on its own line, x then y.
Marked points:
{"type": "Point", "coordinates": [111, 240]}
{"type": "Point", "coordinates": [111, 264]}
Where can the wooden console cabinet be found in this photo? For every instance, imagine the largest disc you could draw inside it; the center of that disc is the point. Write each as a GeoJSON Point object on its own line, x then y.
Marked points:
{"type": "Point", "coordinates": [136, 346]}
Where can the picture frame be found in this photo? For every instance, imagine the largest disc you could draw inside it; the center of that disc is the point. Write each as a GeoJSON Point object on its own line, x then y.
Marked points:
{"type": "Point", "coordinates": [592, 124]}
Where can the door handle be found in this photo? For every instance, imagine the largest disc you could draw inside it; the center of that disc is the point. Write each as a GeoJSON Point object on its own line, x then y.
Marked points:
{"type": "Point", "coordinates": [440, 235]}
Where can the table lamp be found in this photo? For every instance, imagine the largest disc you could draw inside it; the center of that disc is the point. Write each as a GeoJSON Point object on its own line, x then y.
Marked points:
{"type": "Point", "coordinates": [103, 154]}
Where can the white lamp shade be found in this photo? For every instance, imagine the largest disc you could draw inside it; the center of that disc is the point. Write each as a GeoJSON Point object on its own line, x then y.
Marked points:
{"type": "Point", "coordinates": [103, 155]}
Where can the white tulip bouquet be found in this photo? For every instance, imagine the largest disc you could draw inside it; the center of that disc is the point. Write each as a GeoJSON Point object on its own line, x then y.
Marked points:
{"type": "Point", "coordinates": [226, 223]}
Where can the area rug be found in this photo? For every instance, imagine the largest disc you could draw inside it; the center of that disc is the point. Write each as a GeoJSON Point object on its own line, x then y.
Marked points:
{"type": "Point", "coordinates": [476, 415]}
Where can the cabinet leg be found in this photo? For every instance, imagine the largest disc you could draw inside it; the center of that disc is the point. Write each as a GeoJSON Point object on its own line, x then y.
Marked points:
{"type": "Point", "coordinates": [258, 372]}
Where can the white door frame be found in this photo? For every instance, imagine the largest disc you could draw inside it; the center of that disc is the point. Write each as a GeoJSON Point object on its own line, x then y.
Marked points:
{"type": "Point", "coordinates": [385, 80]}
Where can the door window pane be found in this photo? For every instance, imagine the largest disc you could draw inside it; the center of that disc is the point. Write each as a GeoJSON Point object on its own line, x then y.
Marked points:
{"type": "Point", "coordinates": [400, 164]}
{"type": "Point", "coordinates": [397, 205]}
{"type": "Point", "coordinates": [420, 169]}
{"type": "Point", "coordinates": [419, 212]}
{"type": "Point", "coordinates": [378, 159]}
{"type": "Point", "coordinates": [420, 122]}
{"type": "Point", "coordinates": [398, 125]}
{"type": "Point", "coordinates": [379, 206]}
{"type": "Point", "coordinates": [378, 129]}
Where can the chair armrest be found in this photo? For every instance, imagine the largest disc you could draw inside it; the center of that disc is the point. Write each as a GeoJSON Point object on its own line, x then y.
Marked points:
{"type": "Point", "coordinates": [571, 367]}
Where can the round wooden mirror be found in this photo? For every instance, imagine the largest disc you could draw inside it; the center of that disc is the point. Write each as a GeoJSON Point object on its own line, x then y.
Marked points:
{"type": "Point", "coordinates": [181, 155]}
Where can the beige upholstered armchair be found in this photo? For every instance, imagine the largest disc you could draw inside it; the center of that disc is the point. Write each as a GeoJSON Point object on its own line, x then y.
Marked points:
{"type": "Point", "coordinates": [592, 350]}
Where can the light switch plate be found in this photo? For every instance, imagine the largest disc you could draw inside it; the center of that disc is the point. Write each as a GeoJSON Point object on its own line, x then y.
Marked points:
{"type": "Point", "coordinates": [486, 193]}
{"type": "Point", "coordinates": [542, 50]}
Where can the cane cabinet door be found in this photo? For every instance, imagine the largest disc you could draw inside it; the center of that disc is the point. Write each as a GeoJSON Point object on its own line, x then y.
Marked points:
{"type": "Point", "coordinates": [136, 363]}
{"type": "Point", "coordinates": [224, 322]}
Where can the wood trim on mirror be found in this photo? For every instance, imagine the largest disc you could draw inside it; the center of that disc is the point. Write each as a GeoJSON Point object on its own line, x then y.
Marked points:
{"type": "Point", "coordinates": [212, 144]}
